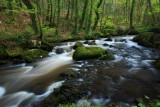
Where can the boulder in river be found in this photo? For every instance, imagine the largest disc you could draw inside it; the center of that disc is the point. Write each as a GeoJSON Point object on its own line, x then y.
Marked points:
{"type": "Point", "coordinates": [82, 53]}
{"type": "Point", "coordinates": [144, 39]}
{"type": "Point", "coordinates": [59, 50]}
{"type": "Point", "coordinates": [33, 54]}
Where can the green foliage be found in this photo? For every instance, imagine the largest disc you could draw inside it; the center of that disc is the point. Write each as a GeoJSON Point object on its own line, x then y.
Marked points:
{"type": "Point", "coordinates": [78, 44]}
{"type": "Point", "coordinates": [24, 37]}
{"type": "Point", "coordinates": [149, 103]}
{"type": "Point", "coordinates": [144, 39]}
{"type": "Point", "coordinates": [33, 54]}
{"type": "Point", "coordinates": [88, 53]}
{"type": "Point", "coordinates": [14, 52]}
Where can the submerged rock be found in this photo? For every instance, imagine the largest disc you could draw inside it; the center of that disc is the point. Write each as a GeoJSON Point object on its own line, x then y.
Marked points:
{"type": "Point", "coordinates": [59, 51]}
{"type": "Point", "coordinates": [88, 53]}
{"type": "Point", "coordinates": [33, 54]}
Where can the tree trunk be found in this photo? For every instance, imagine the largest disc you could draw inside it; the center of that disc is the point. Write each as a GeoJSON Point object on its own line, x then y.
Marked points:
{"type": "Point", "coordinates": [32, 15]}
{"type": "Point", "coordinates": [83, 14]}
{"type": "Point", "coordinates": [151, 10]}
{"type": "Point", "coordinates": [90, 18]}
{"type": "Point", "coordinates": [58, 17]}
{"type": "Point", "coordinates": [68, 10]}
{"type": "Point", "coordinates": [97, 15]}
{"type": "Point", "coordinates": [131, 15]}
{"type": "Point", "coordinates": [76, 18]}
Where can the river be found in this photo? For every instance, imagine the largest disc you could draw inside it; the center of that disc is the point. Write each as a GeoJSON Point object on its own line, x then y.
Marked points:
{"type": "Point", "coordinates": [130, 75]}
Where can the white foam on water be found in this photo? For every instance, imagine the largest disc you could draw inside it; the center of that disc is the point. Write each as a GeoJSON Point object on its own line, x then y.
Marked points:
{"type": "Point", "coordinates": [49, 90]}
{"type": "Point", "coordinates": [2, 91]}
{"type": "Point", "coordinates": [13, 100]}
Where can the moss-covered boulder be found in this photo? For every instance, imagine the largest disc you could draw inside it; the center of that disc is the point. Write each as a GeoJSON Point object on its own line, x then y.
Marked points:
{"type": "Point", "coordinates": [88, 53]}
{"type": "Point", "coordinates": [157, 63]}
{"type": "Point", "coordinates": [46, 46]}
{"type": "Point", "coordinates": [33, 54]}
{"type": "Point", "coordinates": [78, 44]}
{"type": "Point", "coordinates": [14, 53]}
{"type": "Point", "coordinates": [144, 39]}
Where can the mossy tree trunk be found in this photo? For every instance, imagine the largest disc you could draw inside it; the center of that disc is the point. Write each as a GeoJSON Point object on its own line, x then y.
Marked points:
{"type": "Point", "coordinates": [131, 15]}
{"type": "Point", "coordinates": [97, 15]}
{"type": "Point", "coordinates": [58, 17]}
{"type": "Point", "coordinates": [32, 15]}
{"type": "Point", "coordinates": [90, 18]}
{"type": "Point", "coordinates": [76, 18]}
{"type": "Point", "coordinates": [83, 14]}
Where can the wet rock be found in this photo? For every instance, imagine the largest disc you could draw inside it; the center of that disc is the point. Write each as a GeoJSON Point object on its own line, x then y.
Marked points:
{"type": "Point", "coordinates": [88, 53]}
{"type": "Point", "coordinates": [144, 39]}
{"type": "Point", "coordinates": [47, 47]}
{"type": "Point", "coordinates": [59, 51]}
{"type": "Point", "coordinates": [33, 54]}
{"type": "Point", "coordinates": [69, 74]}
{"type": "Point", "coordinates": [108, 39]}
{"type": "Point", "coordinates": [92, 43]}
{"type": "Point", "coordinates": [105, 44]}
{"type": "Point", "coordinates": [67, 93]}
{"type": "Point", "coordinates": [78, 44]}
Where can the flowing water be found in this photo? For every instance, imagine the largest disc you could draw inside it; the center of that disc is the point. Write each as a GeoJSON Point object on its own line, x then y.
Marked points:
{"type": "Point", "coordinates": [130, 75]}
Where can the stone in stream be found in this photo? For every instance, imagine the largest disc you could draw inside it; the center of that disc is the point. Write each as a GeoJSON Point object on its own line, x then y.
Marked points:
{"type": "Point", "coordinates": [108, 39]}
{"type": "Point", "coordinates": [59, 51]}
{"type": "Point", "coordinates": [91, 43]}
{"type": "Point", "coordinates": [88, 53]}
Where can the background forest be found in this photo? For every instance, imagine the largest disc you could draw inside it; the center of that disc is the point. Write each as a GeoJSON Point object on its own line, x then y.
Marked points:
{"type": "Point", "coordinates": [50, 19]}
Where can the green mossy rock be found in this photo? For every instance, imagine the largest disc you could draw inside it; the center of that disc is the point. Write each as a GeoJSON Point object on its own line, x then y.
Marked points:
{"type": "Point", "coordinates": [33, 54]}
{"type": "Point", "coordinates": [88, 53]}
{"type": "Point", "coordinates": [78, 44]}
{"type": "Point", "coordinates": [14, 53]}
{"type": "Point", "coordinates": [157, 63]}
{"type": "Point", "coordinates": [47, 47]}
{"type": "Point", "coordinates": [144, 39]}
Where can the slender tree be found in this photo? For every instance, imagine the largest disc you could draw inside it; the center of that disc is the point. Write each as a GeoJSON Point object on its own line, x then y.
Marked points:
{"type": "Point", "coordinates": [32, 15]}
